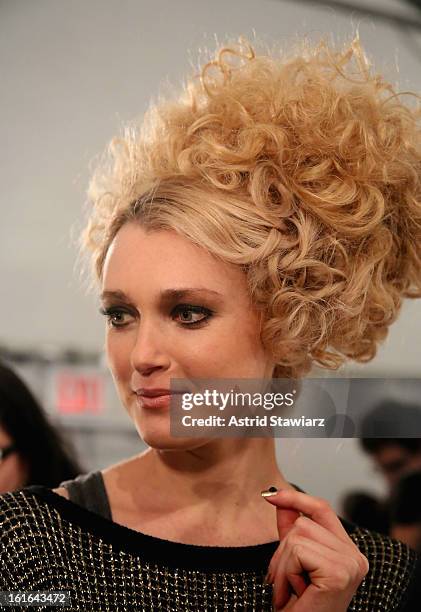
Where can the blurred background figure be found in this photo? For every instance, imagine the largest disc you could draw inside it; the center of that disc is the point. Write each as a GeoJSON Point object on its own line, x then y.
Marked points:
{"type": "Point", "coordinates": [398, 460]}
{"type": "Point", "coordinates": [32, 451]}
{"type": "Point", "coordinates": [392, 455]}
{"type": "Point", "coordinates": [405, 510]}
{"type": "Point", "coordinates": [365, 510]}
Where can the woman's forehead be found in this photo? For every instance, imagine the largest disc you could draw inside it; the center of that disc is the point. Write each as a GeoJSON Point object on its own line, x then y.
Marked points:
{"type": "Point", "coordinates": [137, 255]}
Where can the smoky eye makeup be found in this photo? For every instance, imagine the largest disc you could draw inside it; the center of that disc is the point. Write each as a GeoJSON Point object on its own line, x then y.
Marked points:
{"type": "Point", "coordinates": [188, 315]}
{"type": "Point", "coordinates": [191, 311]}
{"type": "Point", "coordinates": [117, 316]}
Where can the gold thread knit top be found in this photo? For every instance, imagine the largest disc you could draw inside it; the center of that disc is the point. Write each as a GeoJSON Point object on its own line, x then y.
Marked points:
{"type": "Point", "coordinates": [48, 543]}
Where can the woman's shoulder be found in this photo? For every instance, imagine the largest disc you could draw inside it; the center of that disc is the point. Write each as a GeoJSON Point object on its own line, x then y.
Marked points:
{"type": "Point", "coordinates": [36, 518]}
{"type": "Point", "coordinates": [23, 516]}
{"type": "Point", "coordinates": [62, 491]}
{"type": "Point", "coordinates": [19, 508]}
{"type": "Point", "coordinates": [86, 491]}
{"type": "Point", "coordinates": [17, 503]}
{"type": "Point", "coordinates": [25, 513]}
{"type": "Point", "coordinates": [394, 576]}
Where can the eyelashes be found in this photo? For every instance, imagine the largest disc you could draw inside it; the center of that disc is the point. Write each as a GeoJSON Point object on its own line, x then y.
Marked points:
{"type": "Point", "coordinates": [184, 308]}
{"type": "Point", "coordinates": [118, 316]}
{"type": "Point", "coordinates": [115, 316]}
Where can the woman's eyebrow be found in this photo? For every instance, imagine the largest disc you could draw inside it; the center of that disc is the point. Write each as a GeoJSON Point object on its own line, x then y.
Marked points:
{"type": "Point", "coordinates": [164, 295]}
{"type": "Point", "coordinates": [181, 293]}
{"type": "Point", "coordinates": [114, 295]}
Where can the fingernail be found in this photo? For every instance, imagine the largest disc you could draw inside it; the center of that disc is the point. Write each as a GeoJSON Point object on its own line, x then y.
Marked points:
{"type": "Point", "coordinates": [269, 492]}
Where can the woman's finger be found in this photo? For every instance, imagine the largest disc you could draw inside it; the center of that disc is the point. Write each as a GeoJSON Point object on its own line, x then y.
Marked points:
{"type": "Point", "coordinates": [307, 528]}
{"type": "Point", "coordinates": [315, 508]}
{"type": "Point", "coordinates": [318, 533]}
{"type": "Point", "coordinates": [330, 573]}
{"type": "Point", "coordinates": [286, 520]}
{"type": "Point", "coordinates": [290, 603]}
{"type": "Point", "coordinates": [295, 582]}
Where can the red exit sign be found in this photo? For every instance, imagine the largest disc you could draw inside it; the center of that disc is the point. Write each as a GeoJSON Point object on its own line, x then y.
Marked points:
{"type": "Point", "coordinates": [79, 393]}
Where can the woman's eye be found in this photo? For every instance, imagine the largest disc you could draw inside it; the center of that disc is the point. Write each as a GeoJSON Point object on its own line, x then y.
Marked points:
{"type": "Point", "coordinates": [187, 314]}
{"type": "Point", "coordinates": [116, 317]}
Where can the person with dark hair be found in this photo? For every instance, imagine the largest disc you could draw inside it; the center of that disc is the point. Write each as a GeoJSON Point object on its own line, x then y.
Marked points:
{"type": "Point", "coordinates": [392, 454]}
{"type": "Point", "coordinates": [393, 457]}
{"type": "Point", "coordinates": [32, 451]}
{"type": "Point", "coordinates": [405, 510]}
{"type": "Point", "coordinates": [365, 510]}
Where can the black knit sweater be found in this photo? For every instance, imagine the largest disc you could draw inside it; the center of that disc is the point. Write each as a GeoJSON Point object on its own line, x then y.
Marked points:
{"type": "Point", "coordinates": [48, 543]}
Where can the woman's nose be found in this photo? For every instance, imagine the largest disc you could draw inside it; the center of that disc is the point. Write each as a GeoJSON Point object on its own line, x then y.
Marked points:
{"type": "Point", "coordinates": [148, 351]}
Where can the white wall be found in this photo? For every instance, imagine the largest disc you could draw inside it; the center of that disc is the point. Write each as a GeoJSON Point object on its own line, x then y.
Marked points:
{"type": "Point", "coordinates": [71, 73]}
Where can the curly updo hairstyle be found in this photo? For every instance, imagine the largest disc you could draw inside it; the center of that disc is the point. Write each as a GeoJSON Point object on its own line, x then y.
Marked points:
{"type": "Point", "coordinates": [304, 170]}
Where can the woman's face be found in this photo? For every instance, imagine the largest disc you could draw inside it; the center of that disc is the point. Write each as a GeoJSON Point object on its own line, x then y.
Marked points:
{"type": "Point", "coordinates": [211, 331]}
{"type": "Point", "coordinates": [13, 471]}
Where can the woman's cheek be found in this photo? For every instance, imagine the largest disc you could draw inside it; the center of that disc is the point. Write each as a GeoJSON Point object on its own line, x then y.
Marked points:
{"type": "Point", "coordinates": [118, 355]}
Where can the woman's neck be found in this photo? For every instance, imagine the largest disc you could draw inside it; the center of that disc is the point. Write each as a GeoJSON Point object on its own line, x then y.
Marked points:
{"type": "Point", "coordinates": [223, 475]}
{"type": "Point", "coordinates": [208, 495]}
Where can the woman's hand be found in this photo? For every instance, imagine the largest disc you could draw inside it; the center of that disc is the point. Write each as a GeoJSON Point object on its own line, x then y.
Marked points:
{"type": "Point", "coordinates": [317, 567]}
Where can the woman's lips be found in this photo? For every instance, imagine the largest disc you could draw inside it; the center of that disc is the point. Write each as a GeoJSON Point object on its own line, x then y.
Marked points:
{"type": "Point", "coordinates": [160, 401]}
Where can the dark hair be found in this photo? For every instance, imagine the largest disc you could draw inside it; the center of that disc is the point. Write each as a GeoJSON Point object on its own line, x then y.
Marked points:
{"type": "Point", "coordinates": [390, 416]}
{"type": "Point", "coordinates": [365, 510]}
{"type": "Point", "coordinates": [373, 445]}
{"type": "Point", "coordinates": [404, 504]}
{"type": "Point", "coordinates": [42, 447]}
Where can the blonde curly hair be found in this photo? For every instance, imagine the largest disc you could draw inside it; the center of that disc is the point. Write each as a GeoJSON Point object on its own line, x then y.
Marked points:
{"type": "Point", "coordinates": [303, 169]}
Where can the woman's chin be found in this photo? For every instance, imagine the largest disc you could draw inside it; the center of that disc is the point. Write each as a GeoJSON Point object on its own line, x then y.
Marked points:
{"type": "Point", "coordinates": [163, 440]}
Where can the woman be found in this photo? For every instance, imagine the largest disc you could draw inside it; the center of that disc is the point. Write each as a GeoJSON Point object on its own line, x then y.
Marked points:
{"type": "Point", "coordinates": [31, 449]}
{"type": "Point", "coordinates": [267, 220]}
